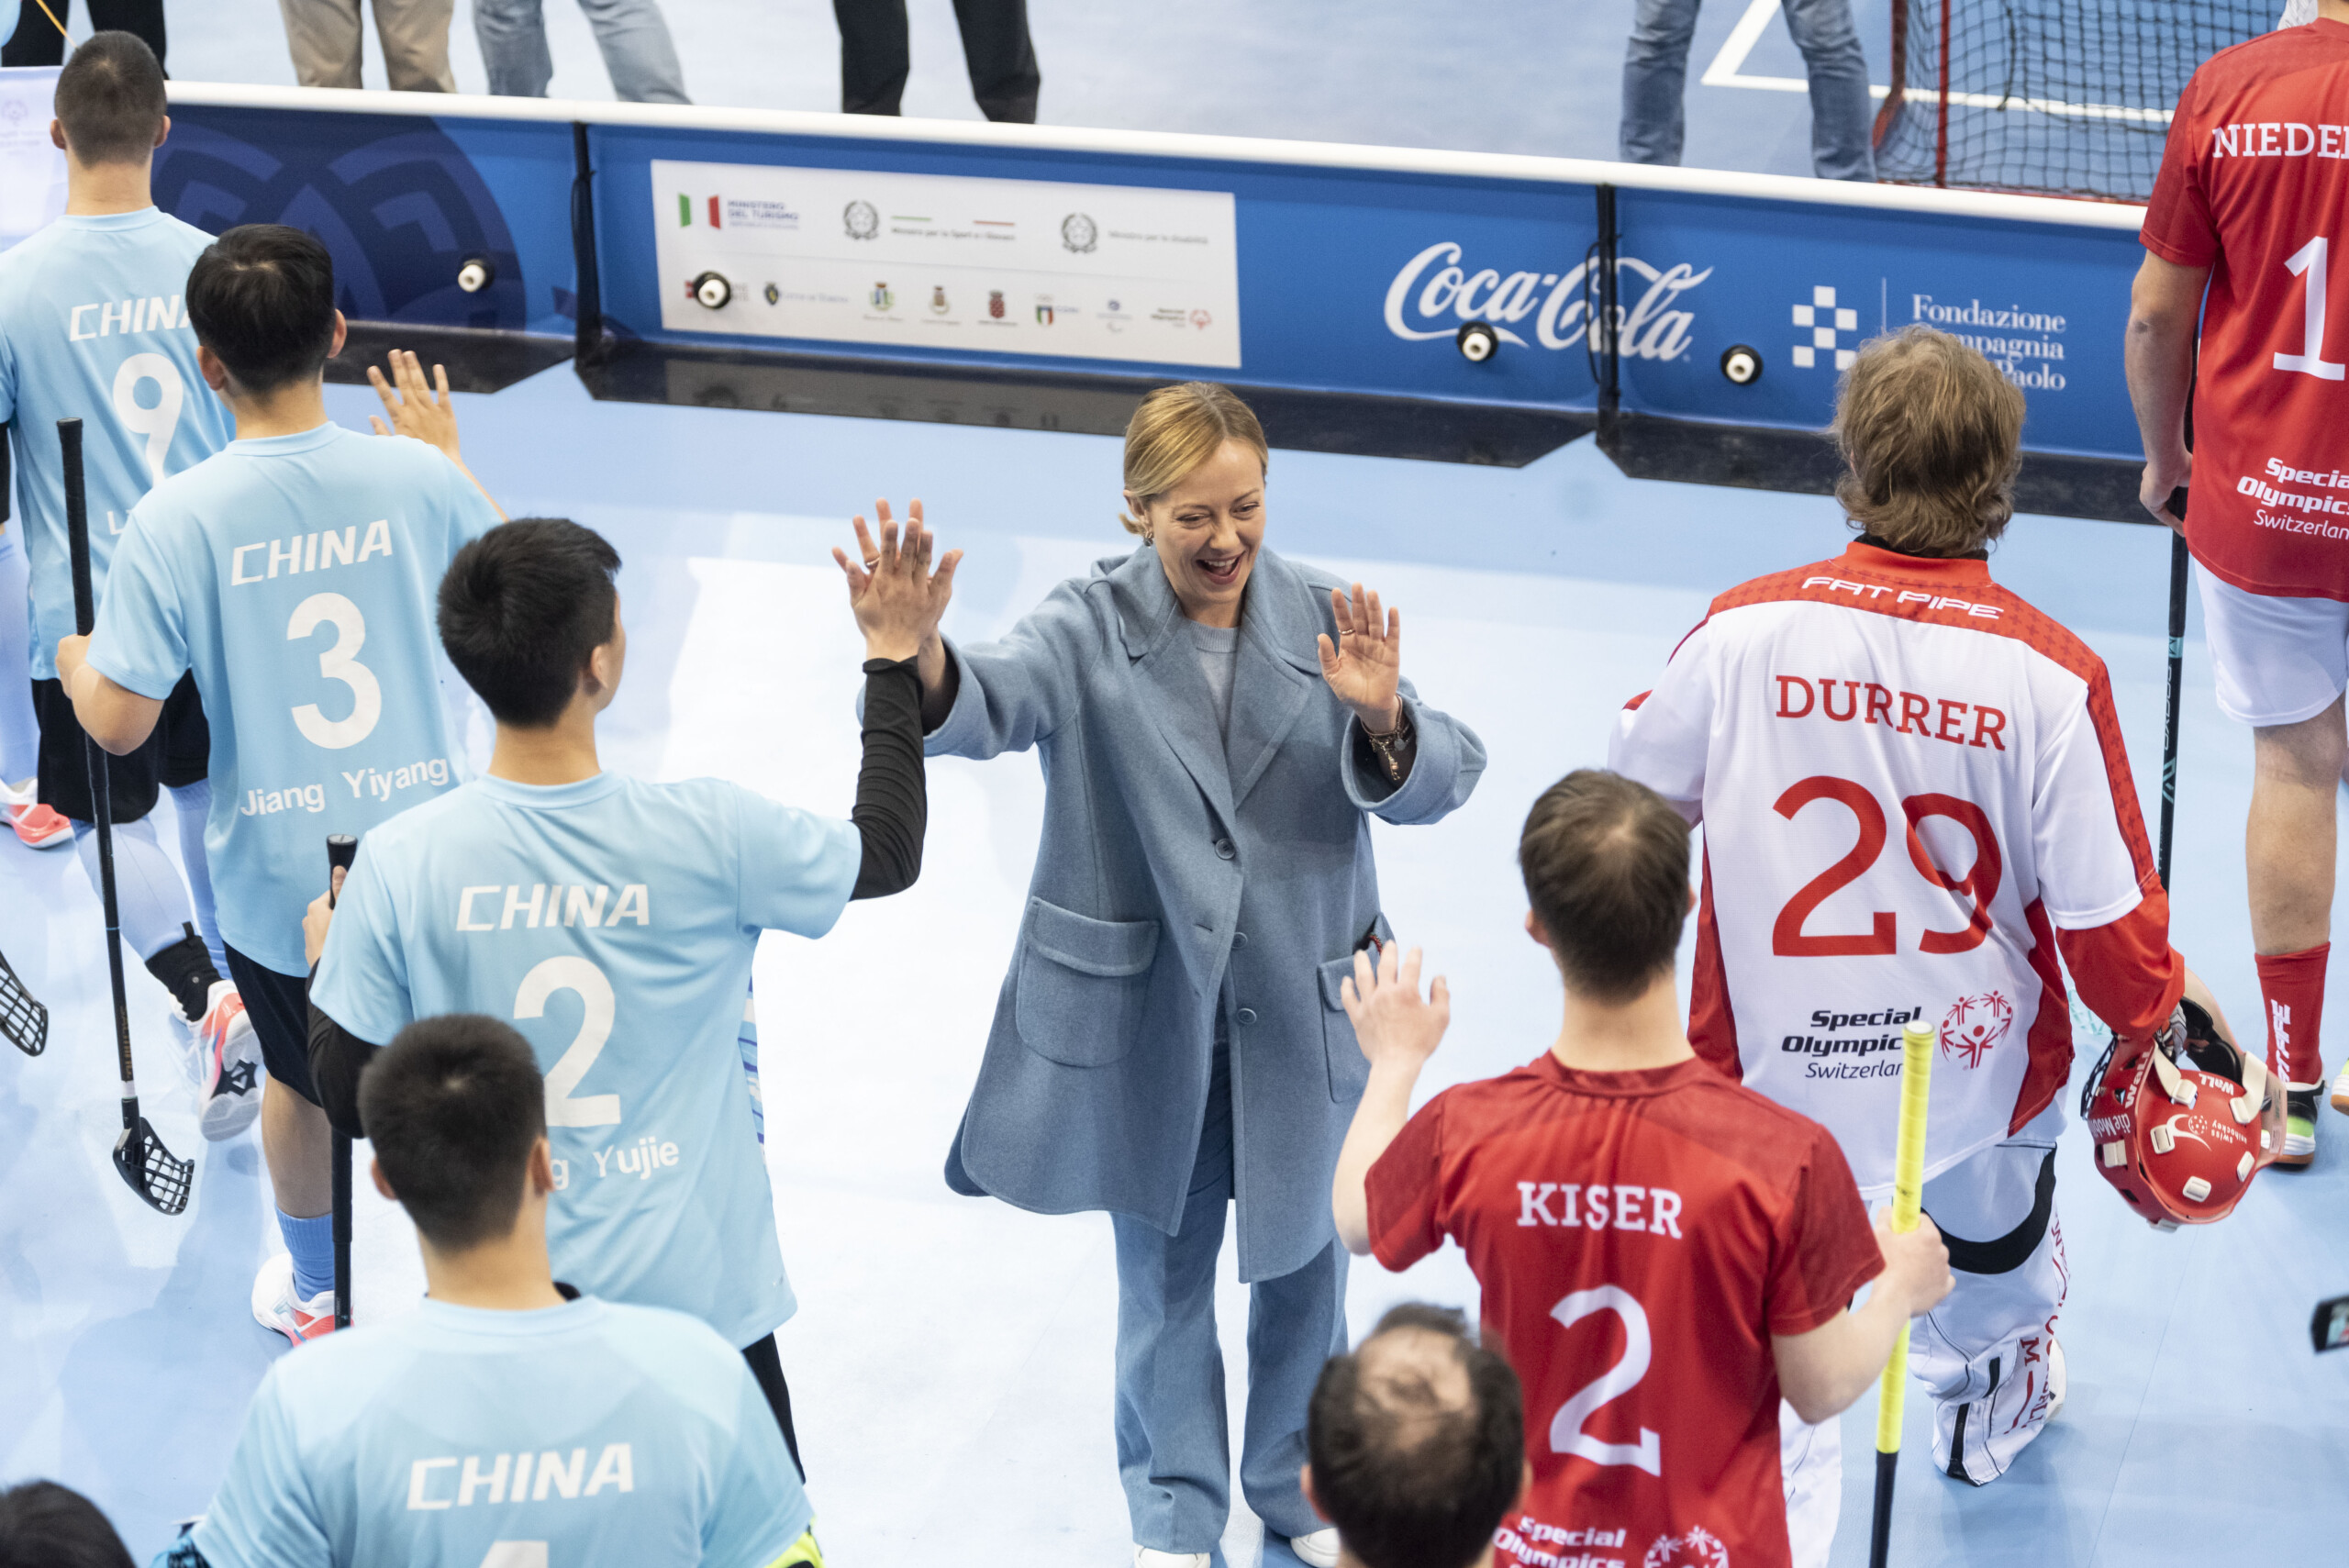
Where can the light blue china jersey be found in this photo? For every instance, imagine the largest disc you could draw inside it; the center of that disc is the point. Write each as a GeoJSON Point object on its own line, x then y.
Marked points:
{"type": "Point", "coordinates": [589, 1435]}
{"type": "Point", "coordinates": [92, 327]}
{"type": "Point", "coordinates": [613, 921]}
{"type": "Point", "coordinates": [296, 576]}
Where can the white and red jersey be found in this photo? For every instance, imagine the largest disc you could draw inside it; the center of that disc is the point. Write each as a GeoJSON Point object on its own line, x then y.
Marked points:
{"type": "Point", "coordinates": [2255, 185]}
{"type": "Point", "coordinates": [1639, 1237]}
{"type": "Point", "coordinates": [1914, 795]}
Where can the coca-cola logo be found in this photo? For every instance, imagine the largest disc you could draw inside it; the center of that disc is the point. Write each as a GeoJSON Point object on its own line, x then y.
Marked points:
{"type": "Point", "coordinates": [1434, 294]}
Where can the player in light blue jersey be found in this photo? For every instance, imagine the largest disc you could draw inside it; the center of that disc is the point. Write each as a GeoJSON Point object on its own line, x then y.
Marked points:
{"type": "Point", "coordinates": [512, 1422]}
{"type": "Point", "coordinates": [615, 921]}
{"type": "Point", "coordinates": [293, 574]}
{"type": "Point", "coordinates": [93, 327]}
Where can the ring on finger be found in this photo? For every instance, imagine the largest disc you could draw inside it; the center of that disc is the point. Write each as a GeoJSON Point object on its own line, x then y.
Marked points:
{"type": "Point", "coordinates": [873, 564]}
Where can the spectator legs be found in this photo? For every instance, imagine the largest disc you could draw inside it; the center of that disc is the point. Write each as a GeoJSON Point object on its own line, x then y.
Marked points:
{"type": "Point", "coordinates": [1841, 119]}
{"type": "Point", "coordinates": [1655, 72]}
{"type": "Point", "coordinates": [513, 39]}
{"type": "Point", "coordinates": [1002, 58]}
{"type": "Point", "coordinates": [328, 43]}
{"type": "Point", "coordinates": [37, 40]}
{"type": "Point", "coordinates": [876, 59]}
{"type": "Point", "coordinates": [874, 55]}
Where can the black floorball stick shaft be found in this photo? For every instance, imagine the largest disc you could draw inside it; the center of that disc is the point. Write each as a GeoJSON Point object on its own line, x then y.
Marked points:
{"type": "Point", "coordinates": [2177, 559]}
{"type": "Point", "coordinates": [2177, 573]}
{"type": "Point", "coordinates": [341, 849]}
{"type": "Point", "coordinates": [138, 1154]}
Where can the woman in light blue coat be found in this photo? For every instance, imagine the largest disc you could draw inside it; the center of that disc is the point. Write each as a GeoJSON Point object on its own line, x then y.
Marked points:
{"type": "Point", "coordinates": [1217, 726]}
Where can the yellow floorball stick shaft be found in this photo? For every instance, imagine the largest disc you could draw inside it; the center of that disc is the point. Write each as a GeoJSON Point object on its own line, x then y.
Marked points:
{"type": "Point", "coordinates": [1916, 1042]}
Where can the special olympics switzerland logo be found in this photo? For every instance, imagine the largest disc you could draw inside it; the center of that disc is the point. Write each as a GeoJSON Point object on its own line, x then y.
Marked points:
{"type": "Point", "coordinates": [1976, 1024]}
{"type": "Point", "coordinates": [1698, 1549]}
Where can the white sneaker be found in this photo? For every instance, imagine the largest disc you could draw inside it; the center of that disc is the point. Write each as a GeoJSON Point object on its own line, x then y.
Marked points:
{"type": "Point", "coordinates": [1319, 1550]}
{"type": "Point", "coordinates": [228, 1065]}
{"type": "Point", "coordinates": [276, 1306]}
{"type": "Point", "coordinates": [2341, 1089]}
{"type": "Point", "coordinates": [1150, 1557]}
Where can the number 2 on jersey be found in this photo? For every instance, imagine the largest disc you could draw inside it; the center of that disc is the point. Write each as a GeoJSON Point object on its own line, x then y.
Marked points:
{"type": "Point", "coordinates": [340, 662]}
{"type": "Point", "coordinates": [586, 981]}
{"type": "Point", "coordinates": [1566, 1435]}
{"type": "Point", "coordinates": [1979, 886]}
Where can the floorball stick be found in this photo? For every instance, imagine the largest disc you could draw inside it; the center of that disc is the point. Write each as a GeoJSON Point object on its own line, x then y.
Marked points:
{"type": "Point", "coordinates": [153, 1173]}
{"type": "Point", "coordinates": [1917, 1041]}
{"type": "Point", "coordinates": [2178, 559]}
{"type": "Point", "coordinates": [341, 849]}
{"type": "Point", "coordinates": [24, 1022]}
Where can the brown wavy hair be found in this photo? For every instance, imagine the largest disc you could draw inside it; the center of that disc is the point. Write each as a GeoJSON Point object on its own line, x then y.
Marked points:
{"type": "Point", "coordinates": [1931, 437]}
{"type": "Point", "coordinates": [1175, 429]}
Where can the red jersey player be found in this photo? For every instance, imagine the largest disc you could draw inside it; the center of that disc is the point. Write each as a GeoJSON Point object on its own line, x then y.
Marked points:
{"type": "Point", "coordinates": [1662, 1252]}
{"type": "Point", "coordinates": [1914, 797]}
{"type": "Point", "coordinates": [2252, 199]}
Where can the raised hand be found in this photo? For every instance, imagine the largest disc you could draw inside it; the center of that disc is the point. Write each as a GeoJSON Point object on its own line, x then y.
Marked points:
{"type": "Point", "coordinates": [1395, 1026]}
{"type": "Point", "coordinates": [896, 598]}
{"type": "Point", "coordinates": [412, 407]}
{"type": "Point", "coordinates": [1367, 662]}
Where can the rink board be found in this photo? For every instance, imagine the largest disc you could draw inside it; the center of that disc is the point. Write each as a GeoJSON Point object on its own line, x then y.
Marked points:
{"type": "Point", "coordinates": [1020, 275]}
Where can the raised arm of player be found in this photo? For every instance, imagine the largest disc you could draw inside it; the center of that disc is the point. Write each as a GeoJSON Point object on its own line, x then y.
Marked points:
{"type": "Point", "coordinates": [415, 409]}
{"type": "Point", "coordinates": [1822, 1371]}
{"type": "Point", "coordinates": [2164, 312]}
{"type": "Point", "coordinates": [1398, 1030]}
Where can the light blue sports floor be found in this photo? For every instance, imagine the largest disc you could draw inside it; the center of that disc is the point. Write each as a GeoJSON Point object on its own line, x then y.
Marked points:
{"type": "Point", "coordinates": [950, 1362]}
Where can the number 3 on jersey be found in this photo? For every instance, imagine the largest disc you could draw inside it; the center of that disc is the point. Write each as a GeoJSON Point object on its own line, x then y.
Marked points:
{"type": "Point", "coordinates": [586, 981]}
{"type": "Point", "coordinates": [340, 662]}
{"type": "Point", "coordinates": [1567, 1434]}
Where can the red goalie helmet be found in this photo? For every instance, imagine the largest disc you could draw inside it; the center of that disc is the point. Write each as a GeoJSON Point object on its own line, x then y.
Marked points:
{"type": "Point", "coordinates": [2182, 1123]}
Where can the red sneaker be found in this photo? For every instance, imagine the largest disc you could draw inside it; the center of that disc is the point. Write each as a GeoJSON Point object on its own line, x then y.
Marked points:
{"type": "Point", "coordinates": [39, 827]}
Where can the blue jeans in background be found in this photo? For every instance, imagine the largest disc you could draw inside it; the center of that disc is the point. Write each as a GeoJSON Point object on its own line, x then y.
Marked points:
{"type": "Point", "coordinates": [631, 34]}
{"type": "Point", "coordinates": [1655, 74]}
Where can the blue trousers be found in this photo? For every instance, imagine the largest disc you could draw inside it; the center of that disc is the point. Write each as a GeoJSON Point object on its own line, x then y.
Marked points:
{"type": "Point", "coordinates": [632, 35]}
{"type": "Point", "coordinates": [1173, 1441]}
{"type": "Point", "coordinates": [1655, 74]}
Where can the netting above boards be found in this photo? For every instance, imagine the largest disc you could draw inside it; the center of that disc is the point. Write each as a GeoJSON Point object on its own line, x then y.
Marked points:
{"type": "Point", "coordinates": [2069, 96]}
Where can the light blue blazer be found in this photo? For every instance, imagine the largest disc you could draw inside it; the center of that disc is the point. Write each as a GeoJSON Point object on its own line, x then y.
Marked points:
{"type": "Point", "coordinates": [1174, 880]}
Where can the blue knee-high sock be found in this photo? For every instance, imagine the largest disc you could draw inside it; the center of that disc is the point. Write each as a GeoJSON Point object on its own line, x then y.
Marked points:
{"type": "Point", "coordinates": [194, 803]}
{"type": "Point", "coordinates": [312, 1243]}
{"type": "Point", "coordinates": [149, 895]}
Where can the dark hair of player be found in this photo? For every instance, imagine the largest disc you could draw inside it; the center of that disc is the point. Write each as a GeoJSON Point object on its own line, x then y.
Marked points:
{"type": "Point", "coordinates": [261, 298]}
{"type": "Point", "coordinates": [1931, 437]}
{"type": "Point", "coordinates": [522, 609]}
{"type": "Point", "coordinates": [1417, 1471]}
{"type": "Point", "coordinates": [1605, 868]}
{"type": "Point", "coordinates": [43, 1525]}
{"type": "Point", "coordinates": [110, 99]}
{"type": "Point", "coordinates": [453, 1106]}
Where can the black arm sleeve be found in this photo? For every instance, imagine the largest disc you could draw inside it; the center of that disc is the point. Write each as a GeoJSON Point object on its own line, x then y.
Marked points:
{"type": "Point", "coordinates": [336, 1058]}
{"type": "Point", "coordinates": [892, 808]}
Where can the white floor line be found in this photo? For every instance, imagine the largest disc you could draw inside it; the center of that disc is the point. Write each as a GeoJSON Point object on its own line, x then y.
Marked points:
{"type": "Point", "coordinates": [1728, 71]}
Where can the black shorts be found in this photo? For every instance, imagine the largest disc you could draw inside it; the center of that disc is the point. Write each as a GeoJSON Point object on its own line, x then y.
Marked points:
{"type": "Point", "coordinates": [176, 755]}
{"type": "Point", "coordinates": [279, 1006]}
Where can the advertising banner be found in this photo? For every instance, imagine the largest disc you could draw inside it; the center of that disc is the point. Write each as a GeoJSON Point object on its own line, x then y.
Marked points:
{"type": "Point", "coordinates": [1028, 267]}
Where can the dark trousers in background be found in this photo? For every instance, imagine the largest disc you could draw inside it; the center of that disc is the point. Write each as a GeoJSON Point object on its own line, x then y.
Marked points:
{"type": "Point", "coordinates": [37, 40]}
{"type": "Point", "coordinates": [995, 46]}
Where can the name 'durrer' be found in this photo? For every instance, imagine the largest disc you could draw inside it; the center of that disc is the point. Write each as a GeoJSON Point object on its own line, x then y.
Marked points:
{"type": "Point", "coordinates": [1864, 702]}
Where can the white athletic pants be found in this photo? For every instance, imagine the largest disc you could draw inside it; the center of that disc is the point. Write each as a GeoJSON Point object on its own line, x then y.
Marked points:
{"type": "Point", "coordinates": [1982, 1353]}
